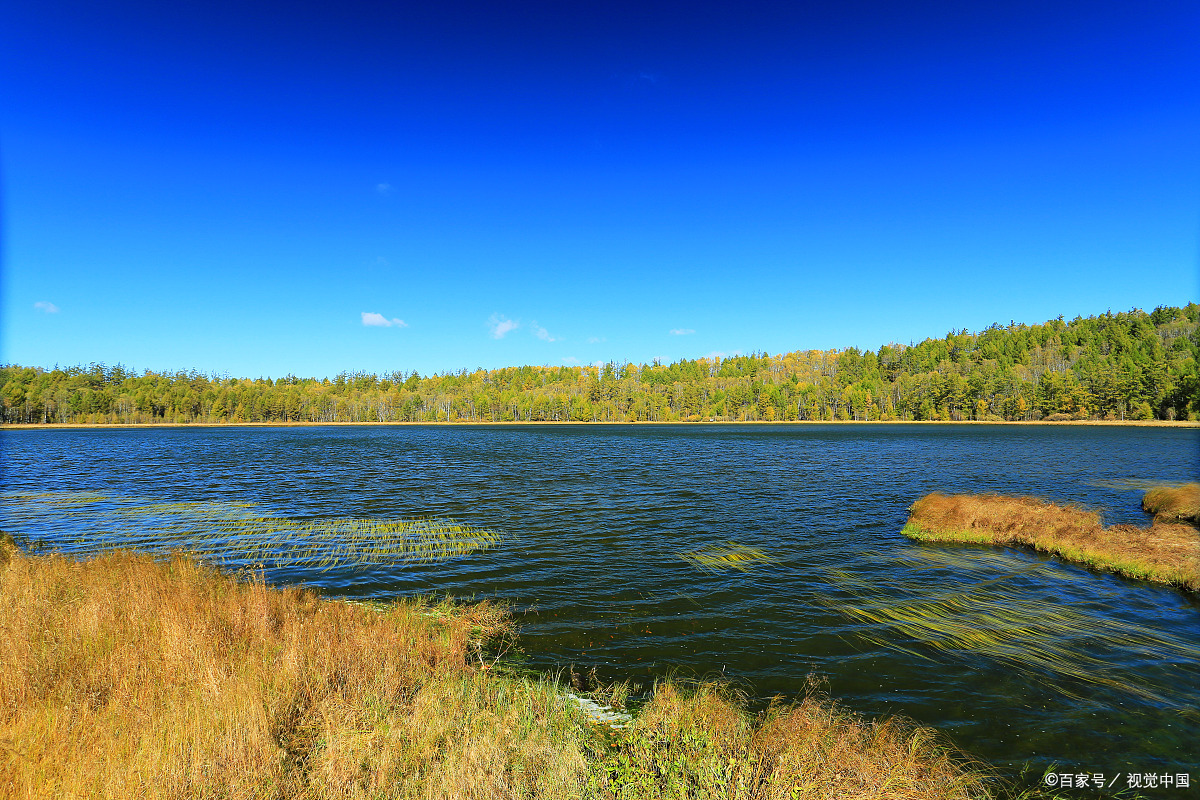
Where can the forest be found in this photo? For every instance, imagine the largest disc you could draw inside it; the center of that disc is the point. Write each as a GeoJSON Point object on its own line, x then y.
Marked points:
{"type": "Point", "coordinates": [1126, 366]}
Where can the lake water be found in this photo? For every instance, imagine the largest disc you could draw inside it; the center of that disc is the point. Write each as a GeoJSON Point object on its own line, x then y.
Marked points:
{"type": "Point", "coordinates": [1087, 671]}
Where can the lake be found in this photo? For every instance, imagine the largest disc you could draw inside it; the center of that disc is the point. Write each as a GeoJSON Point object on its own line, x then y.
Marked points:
{"type": "Point", "coordinates": [1018, 658]}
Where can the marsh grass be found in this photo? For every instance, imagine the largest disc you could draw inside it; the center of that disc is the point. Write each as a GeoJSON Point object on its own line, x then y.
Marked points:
{"type": "Point", "coordinates": [231, 534]}
{"type": "Point", "coordinates": [122, 676]}
{"type": "Point", "coordinates": [1174, 503]}
{"type": "Point", "coordinates": [722, 557]}
{"type": "Point", "coordinates": [125, 677]}
{"type": "Point", "coordinates": [1163, 553]}
{"type": "Point", "coordinates": [967, 606]}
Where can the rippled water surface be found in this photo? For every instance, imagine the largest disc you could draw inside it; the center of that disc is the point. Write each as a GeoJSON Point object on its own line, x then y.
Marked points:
{"type": "Point", "coordinates": [801, 567]}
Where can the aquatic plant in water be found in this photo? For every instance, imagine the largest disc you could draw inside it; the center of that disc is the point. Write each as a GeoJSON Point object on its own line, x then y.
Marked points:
{"type": "Point", "coordinates": [721, 557]}
{"type": "Point", "coordinates": [87, 523]}
{"type": "Point", "coordinates": [967, 604]}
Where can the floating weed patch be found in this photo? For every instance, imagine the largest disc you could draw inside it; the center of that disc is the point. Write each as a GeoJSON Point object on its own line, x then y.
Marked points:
{"type": "Point", "coordinates": [722, 557]}
{"type": "Point", "coordinates": [946, 609]}
{"type": "Point", "coordinates": [86, 523]}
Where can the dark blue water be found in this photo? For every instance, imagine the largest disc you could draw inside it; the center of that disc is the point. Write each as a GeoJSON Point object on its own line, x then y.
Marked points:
{"type": "Point", "coordinates": [595, 519]}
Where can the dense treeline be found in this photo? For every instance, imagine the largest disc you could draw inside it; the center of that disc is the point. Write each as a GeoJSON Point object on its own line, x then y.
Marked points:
{"type": "Point", "coordinates": [1114, 366]}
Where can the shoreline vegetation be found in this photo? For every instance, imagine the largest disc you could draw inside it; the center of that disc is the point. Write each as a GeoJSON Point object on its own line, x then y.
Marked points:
{"type": "Point", "coordinates": [1113, 367]}
{"type": "Point", "coordinates": [1174, 504]}
{"type": "Point", "coordinates": [1168, 551]}
{"type": "Point", "coordinates": [1156, 423]}
{"type": "Point", "coordinates": [122, 676]}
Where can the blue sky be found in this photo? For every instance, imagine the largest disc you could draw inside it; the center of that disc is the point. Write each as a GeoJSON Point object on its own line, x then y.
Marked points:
{"type": "Point", "coordinates": [266, 189]}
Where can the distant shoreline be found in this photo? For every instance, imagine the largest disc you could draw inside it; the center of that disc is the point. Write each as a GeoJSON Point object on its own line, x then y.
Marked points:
{"type": "Point", "coordinates": [1156, 423]}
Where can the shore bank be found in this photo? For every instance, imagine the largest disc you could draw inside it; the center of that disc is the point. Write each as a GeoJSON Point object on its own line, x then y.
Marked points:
{"type": "Point", "coordinates": [122, 676]}
{"type": "Point", "coordinates": [1174, 503]}
{"type": "Point", "coordinates": [1166, 552]}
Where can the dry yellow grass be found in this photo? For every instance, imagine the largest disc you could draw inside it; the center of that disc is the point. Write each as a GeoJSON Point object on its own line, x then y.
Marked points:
{"type": "Point", "coordinates": [1174, 503]}
{"type": "Point", "coordinates": [123, 677]}
{"type": "Point", "coordinates": [1164, 552]}
{"type": "Point", "coordinates": [699, 743]}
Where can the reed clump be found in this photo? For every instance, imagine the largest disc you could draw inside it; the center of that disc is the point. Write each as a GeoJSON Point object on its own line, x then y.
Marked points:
{"type": "Point", "coordinates": [1164, 552]}
{"type": "Point", "coordinates": [1174, 503]}
{"type": "Point", "coordinates": [122, 676]}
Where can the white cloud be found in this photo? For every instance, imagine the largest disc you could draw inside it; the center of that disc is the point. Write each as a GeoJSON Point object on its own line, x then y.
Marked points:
{"type": "Point", "coordinates": [541, 332]}
{"type": "Point", "coordinates": [596, 339]}
{"type": "Point", "coordinates": [571, 361]}
{"type": "Point", "coordinates": [49, 308]}
{"type": "Point", "coordinates": [383, 189]}
{"type": "Point", "coordinates": [370, 318]}
{"type": "Point", "coordinates": [681, 331]}
{"type": "Point", "coordinates": [501, 325]}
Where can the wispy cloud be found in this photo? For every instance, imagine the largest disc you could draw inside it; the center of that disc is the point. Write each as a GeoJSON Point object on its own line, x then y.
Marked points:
{"type": "Point", "coordinates": [501, 325]}
{"type": "Point", "coordinates": [571, 361]}
{"type": "Point", "coordinates": [596, 339]}
{"type": "Point", "coordinates": [681, 331]}
{"type": "Point", "coordinates": [541, 332]}
{"type": "Point", "coordinates": [49, 308]}
{"type": "Point", "coordinates": [372, 319]}
{"type": "Point", "coordinates": [383, 189]}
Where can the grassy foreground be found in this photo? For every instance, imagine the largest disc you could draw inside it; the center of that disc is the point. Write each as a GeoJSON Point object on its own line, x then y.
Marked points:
{"type": "Point", "coordinates": [1166, 552]}
{"type": "Point", "coordinates": [123, 677]}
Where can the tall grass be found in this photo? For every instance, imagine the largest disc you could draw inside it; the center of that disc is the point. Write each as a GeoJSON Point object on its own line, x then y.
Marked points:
{"type": "Point", "coordinates": [1174, 503]}
{"type": "Point", "coordinates": [122, 676]}
{"type": "Point", "coordinates": [1164, 552]}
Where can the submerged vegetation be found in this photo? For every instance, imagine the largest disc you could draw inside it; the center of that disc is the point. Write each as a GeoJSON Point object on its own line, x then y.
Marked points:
{"type": "Point", "coordinates": [231, 533]}
{"type": "Point", "coordinates": [721, 557]}
{"type": "Point", "coordinates": [947, 602]}
{"type": "Point", "coordinates": [121, 676]}
{"type": "Point", "coordinates": [1127, 366]}
{"type": "Point", "coordinates": [1164, 552]}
